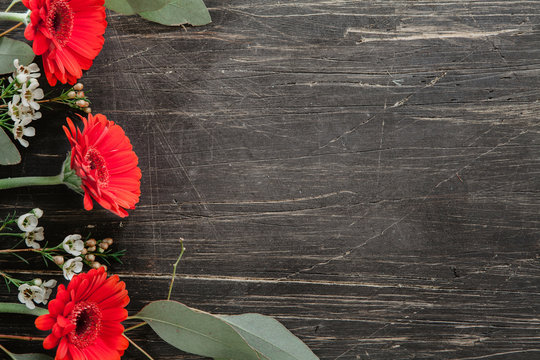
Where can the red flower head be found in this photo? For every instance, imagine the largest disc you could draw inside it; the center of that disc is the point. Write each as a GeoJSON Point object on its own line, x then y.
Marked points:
{"type": "Point", "coordinates": [103, 158]}
{"type": "Point", "coordinates": [86, 318]}
{"type": "Point", "coordinates": [68, 34]}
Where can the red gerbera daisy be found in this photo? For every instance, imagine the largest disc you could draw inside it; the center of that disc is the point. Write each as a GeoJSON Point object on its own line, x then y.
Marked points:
{"type": "Point", "coordinates": [68, 34]}
{"type": "Point", "coordinates": [86, 318]}
{"type": "Point", "coordinates": [102, 156]}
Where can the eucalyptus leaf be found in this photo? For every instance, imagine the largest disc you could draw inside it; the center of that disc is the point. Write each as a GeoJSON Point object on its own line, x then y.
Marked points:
{"type": "Point", "coordinates": [14, 49]}
{"type": "Point", "coordinates": [179, 12]}
{"type": "Point", "coordinates": [33, 356]}
{"type": "Point", "coordinates": [9, 155]}
{"type": "Point", "coordinates": [195, 331]}
{"type": "Point", "coordinates": [130, 7]}
{"type": "Point", "coordinates": [269, 337]}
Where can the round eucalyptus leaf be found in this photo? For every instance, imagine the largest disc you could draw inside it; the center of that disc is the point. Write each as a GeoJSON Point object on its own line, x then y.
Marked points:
{"type": "Point", "coordinates": [9, 155]}
{"type": "Point", "coordinates": [180, 12]}
{"type": "Point", "coordinates": [33, 356]}
{"type": "Point", "coordinates": [130, 7]}
{"type": "Point", "coordinates": [195, 331]}
{"type": "Point", "coordinates": [14, 49]}
{"type": "Point", "coordinates": [269, 337]}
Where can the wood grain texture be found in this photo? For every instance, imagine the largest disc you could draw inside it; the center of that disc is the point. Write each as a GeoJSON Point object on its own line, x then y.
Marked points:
{"type": "Point", "coordinates": [364, 171]}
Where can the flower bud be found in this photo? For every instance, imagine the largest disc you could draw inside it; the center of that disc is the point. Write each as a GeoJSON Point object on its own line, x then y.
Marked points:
{"type": "Point", "coordinates": [81, 103]}
{"type": "Point", "coordinates": [87, 110]}
{"type": "Point", "coordinates": [91, 249]}
{"type": "Point", "coordinates": [58, 260]}
{"type": "Point", "coordinates": [71, 95]}
{"type": "Point", "coordinates": [90, 242]}
{"type": "Point", "coordinates": [101, 250]}
{"type": "Point", "coordinates": [108, 241]}
{"type": "Point", "coordinates": [78, 86]}
{"type": "Point", "coordinates": [95, 265]}
{"type": "Point", "coordinates": [90, 257]}
{"type": "Point", "coordinates": [21, 78]}
{"type": "Point", "coordinates": [37, 281]}
{"type": "Point", "coordinates": [84, 251]}
{"type": "Point", "coordinates": [80, 94]}
{"type": "Point", "coordinates": [104, 245]}
{"type": "Point", "coordinates": [38, 212]}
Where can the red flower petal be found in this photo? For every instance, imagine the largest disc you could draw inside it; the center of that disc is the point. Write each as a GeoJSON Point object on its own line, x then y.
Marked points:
{"type": "Point", "coordinates": [69, 35]}
{"type": "Point", "coordinates": [88, 329]}
{"type": "Point", "coordinates": [103, 158]}
{"type": "Point", "coordinates": [45, 322]}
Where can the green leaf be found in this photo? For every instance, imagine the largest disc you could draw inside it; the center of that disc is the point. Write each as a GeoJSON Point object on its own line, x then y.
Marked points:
{"type": "Point", "coordinates": [33, 356]}
{"type": "Point", "coordinates": [14, 49]}
{"type": "Point", "coordinates": [269, 337]}
{"type": "Point", "coordinates": [180, 12]}
{"type": "Point", "coordinates": [130, 7]}
{"type": "Point", "coordinates": [9, 155]}
{"type": "Point", "coordinates": [195, 331]}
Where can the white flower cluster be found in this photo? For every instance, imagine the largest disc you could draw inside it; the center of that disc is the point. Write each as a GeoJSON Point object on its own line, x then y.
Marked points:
{"type": "Point", "coordinates": [29, 224]}
{"type": "Point", "coordinates": [23, 108]}
{"type": "Point", "coordinates": [36, 291]}
{"type": "Point", "coordinates": [73, 245]}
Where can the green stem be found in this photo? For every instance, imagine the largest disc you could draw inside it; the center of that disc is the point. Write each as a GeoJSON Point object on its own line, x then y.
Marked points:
{"type": "Point", "coordinates": [135, 326]}
{"type": "Point", "coordinates": [7, 352]}
{"type": "Point", "coordinates": [13, 3]}
{"type": "Point", "coordinates": [14, 281]}
{"type": "Point", "coordinates": [11, 16]}
{"type": "Point", "coordinates": [174, 267]}
{"type": "Point", "coordinates": [7, 90]}
{"type": "Point", "coordinates": [12, 234]}
{"type": "Point", "coordinates": [12, 308]}
{"type": "Point", "coordinates": [10, 183]}
{"type": "Point", "coordinates": [138, 347]}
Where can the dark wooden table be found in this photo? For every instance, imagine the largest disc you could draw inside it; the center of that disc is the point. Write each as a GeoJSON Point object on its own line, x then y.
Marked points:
{"type": "Point", "coordinates": [367, 172]}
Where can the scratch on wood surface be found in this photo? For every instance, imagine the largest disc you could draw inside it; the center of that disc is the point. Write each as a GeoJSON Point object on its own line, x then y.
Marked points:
{"type": "Point", "coordinates": [394, 36]}
{"type": "Point", "coordinates": [496, 355]}
{"type": "Point", "coordinates": [395, 223]}
{"type": "Point", "coordinates": [337, 138]}
{"type": "Point", "coordinates": [307, 198]}
{"type": "Point", "coordinates": [136, 54]}
{"type": "Point", "coordinates": [430, 84]}
{"type": "Point", "coordinates": [348, 252]}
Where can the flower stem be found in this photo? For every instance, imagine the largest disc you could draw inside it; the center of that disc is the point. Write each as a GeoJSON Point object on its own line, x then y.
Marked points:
{"type": "Point", "coordinates": [56, 99]}
{"type": "Point", "coordinates": [13, 3]}
{"type": "Point", "coordinates": [11, 29]}
{"type": "Point", "coordinates": [12, 308]}
{"type": "Point", "coordinates": [12, 16]}
{"type": "Point", "coordinates": [174, 267]}
{"type": "Point", "coordinates": [7, 251]}
{"type": "Point", "coordinates": [135, 326]}
{"type": "Point", "coordinates": [10, 183]}
{"type": "Point", "coordinates": [8, 278]}
{"type": "Point", "coordinates": [139, 348]}
{"type": "Point", "coordinates": [27, 338]}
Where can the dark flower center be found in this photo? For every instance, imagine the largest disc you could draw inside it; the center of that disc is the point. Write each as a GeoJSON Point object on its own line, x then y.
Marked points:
{"type": "Point", "coordinates": [19, 131]}
{"type": "Point", "coordinates": [87, 319]}
{"type": "Point", "coordinates": [97, 162]}
{"type": "Point", "coordinates": [60, 21]}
